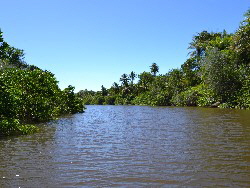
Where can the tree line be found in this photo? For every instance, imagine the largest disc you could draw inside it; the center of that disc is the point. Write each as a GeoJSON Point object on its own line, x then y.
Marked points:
{"type": "Point", "coordinates": [29, 94]}
{"type": "Point", "coordinates": [217, 71]}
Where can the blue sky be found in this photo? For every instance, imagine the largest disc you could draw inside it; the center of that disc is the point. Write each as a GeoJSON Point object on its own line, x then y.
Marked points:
{"type": "Point", "coordinates": [89, 43]}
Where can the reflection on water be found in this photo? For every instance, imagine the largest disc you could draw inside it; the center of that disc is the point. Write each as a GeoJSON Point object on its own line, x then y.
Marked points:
{"type": "Point", "coordinates": [132, 146]}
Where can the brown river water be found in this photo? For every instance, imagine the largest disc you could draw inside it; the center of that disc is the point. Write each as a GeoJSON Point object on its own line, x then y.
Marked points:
{"type": "Point", "coordinates": [132, 146]}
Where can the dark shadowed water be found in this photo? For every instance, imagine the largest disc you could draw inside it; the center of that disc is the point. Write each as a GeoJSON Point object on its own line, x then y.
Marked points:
{"type": "Point", "coordinates": [132, 146]}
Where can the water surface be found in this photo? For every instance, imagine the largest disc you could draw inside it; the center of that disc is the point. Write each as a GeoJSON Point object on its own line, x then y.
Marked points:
{"type": "Point", "coordinates": [132, 146]}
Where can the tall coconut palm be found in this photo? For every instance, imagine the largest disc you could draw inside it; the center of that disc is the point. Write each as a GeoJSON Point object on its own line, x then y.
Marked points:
{"type": "Point", "coordinates": [124, 79]}
{"type": "Point", "coordinates": [154, 68]}
{"type": "Point", "coordinates": [132, 76]}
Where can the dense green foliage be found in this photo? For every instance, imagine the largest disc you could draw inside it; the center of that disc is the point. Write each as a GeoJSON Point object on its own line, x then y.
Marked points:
{"type": "Point", "coordinates": [13, 126]}
{"type": "Point", "coordinates": [217, 71]}
{"type": "Point", "coordinates": [29, 94]}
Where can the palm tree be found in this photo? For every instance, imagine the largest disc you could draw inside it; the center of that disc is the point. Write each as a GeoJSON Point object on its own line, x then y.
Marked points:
{"type": "Point", "coordinates": [124, 79]}
{"type": "Point", "coordinates": [154, 68]}
{"type": "Point", "coordinates": [115, 85]}
{"type": "Point", "coordinates": [132, 76]}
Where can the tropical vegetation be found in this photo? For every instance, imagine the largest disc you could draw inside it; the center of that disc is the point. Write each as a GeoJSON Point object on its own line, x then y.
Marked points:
{"type": "Point", "coordinates": [28, 94]}
{"type": "Point", "coordinates": [216, 72]}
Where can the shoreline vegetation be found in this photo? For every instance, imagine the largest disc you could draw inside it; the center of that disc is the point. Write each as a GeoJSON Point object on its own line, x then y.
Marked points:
{"type": "Point", "coordinates": [29, 95]}
{"type": "Point", "coordinates": [216, 74]}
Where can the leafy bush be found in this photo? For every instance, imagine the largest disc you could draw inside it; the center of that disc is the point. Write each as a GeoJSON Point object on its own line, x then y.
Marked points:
{"type": "Point", "coordinates": [98, 99]}
{"type": "Point", "coordinates": [186, 98]}
{"type": "Point", "coordinates": [243, 100]}
{"type": "Point", "coordinates": [119, 100]}
{"type": "Point", "coordinates": [199, 95]}
{"type": "Point", "coordinates": [153, 99]}
{"type": "Point", "coordinates": [12, 126]}
{"type": "Point", "coordinates": [87, 100]}
{"type": "Point", "coordinates": [110, 100]}
{"type": "Point", "coordinates": [221, 74]}
{"type": "Point", "coordinates": [206, 97]}
{"type": "Point", "coordinates": [29, 96]}
{"type": "Point", "coordinates": [69, 101]}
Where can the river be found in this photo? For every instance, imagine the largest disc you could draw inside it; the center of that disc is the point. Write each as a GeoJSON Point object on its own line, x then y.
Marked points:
{"type": "Point", "coordinates": [132, 146]}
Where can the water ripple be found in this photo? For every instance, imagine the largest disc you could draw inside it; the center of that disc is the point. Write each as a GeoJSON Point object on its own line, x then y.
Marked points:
{"type": "Point", "coordinates": [132, 146]}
